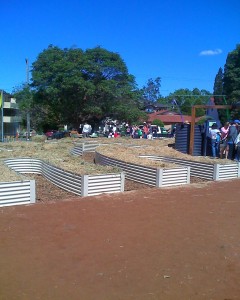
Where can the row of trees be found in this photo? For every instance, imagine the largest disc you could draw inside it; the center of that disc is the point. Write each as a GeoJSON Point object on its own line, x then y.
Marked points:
{"type": "Point", "coordinates": [227, 83]}
{"type": "Point", "coordinates": [70, 86]}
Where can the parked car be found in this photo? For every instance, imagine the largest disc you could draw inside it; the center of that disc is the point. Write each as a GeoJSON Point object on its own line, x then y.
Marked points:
{"type": "Point", "coordinates": [24, 134]}
{"type": "Point", "coordinates": [54, 134]}
{"type": "Point", "coordinates": [164, 130]}
{"type": "Point", "coordinates": [50, 134]}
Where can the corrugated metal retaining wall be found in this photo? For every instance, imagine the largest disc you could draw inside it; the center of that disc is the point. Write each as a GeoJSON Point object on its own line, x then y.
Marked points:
{"type": "Point", "coordinates": [81, 185]}
{"type": "Point", "coordinates": [65, 180]}
{"type": "Point", "coordinates": [133, 172]}
{"type": "Point", "coordinates": [98, 184]}
{"type": "Point", "coordinates": [83, 147]}
{"type": "Point", "coordinates": [203, 170]}
{"type": "Point", "coordinates": [25, 165]}
{"type": "Point", "coordinates": [148, 175]}
{"type": "Point", "coordinates": [182, 139]}
{"type": "Point", "coordinates": [228, 171]}
{"type": "Point", "coordinates": [17, 193]}
{"type": "Point", "coordinates": [80, 148]}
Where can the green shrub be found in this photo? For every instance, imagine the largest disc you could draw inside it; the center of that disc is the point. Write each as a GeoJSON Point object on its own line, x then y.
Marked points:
{"type": "Point", "coordinates": [158, 123]}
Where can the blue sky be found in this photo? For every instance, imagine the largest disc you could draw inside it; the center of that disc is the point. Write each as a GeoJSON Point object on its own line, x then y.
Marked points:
{"type": "Point", "coordinates": [183, 42]}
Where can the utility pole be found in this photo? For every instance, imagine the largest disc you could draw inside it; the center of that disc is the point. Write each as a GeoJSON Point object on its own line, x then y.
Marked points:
{"type": "Point", "coordinates": [28, 114]}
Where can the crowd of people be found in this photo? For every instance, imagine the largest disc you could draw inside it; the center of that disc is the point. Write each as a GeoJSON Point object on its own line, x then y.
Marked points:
{"type": "Point", "coordinates": [146, 131]}
{"type": "Point", "coordinates": [225, 141]}
{"type": "Point", "coordinates": [113, 130]}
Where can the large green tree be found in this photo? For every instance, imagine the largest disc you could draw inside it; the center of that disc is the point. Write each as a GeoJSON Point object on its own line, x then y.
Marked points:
{"type": "Point", "coordinates": [231, 78]}
{"type": "Point", "coordinates": [218, 87]}
{"type": "Point", "coordinates": [151, 91]}
{"type": "Point", "coordinates": [24, 96]}
{"type": "Point", "coordinates": [219, 98]}
{"type": "Point", "coordinates": [182, 100]}
{"type": "Point", "coordinates": [76, 85]}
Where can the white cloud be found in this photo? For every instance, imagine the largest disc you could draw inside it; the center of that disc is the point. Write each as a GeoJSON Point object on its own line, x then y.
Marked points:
{"type": "Point", "coordinates": [210, 52]}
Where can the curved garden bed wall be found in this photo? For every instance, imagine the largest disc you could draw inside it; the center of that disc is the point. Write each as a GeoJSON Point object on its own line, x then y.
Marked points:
{"type": "Point", "coordinates": [198, 169]}
{"type": "Point", "coordinates": [81, 185]}
{"type": "Point", "coordinates": [80, 148]}
{"type": "Point", "coordinates": [148, 175]}
{"type": "Point", "coordinates": [203, 170]}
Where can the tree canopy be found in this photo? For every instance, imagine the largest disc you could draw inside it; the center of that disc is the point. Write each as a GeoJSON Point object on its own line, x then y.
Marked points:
{"type": "Point", "coordinates": [218, 87]}
{"type": "Point", "coordinates": [231, 78]}
{"type": "Point", "coordinates": [182, 100]}
{"type": "Point", "coordinates": [75, 85]}
{"type": "Point", "coordinates": [151, 91]}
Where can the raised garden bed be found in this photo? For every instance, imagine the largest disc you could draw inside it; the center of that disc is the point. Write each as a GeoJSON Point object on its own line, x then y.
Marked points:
{"type": "Point", "coordinates": [153, 176]}
{"type": "Point", "coordinates": [85, 180]}
{"type": "Point", "coordinates": [216, 171]}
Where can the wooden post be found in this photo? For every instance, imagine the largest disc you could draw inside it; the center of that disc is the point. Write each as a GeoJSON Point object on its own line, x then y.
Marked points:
{"type": "Point", "coordinates": [192, 130]}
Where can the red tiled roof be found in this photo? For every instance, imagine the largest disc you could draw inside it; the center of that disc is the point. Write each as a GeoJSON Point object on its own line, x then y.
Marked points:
{"type": "Point", "coordinates": [170, 119]}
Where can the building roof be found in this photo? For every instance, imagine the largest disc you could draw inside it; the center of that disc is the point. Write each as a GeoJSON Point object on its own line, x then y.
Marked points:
{"type": "Point", "coordinates": [168, 119]}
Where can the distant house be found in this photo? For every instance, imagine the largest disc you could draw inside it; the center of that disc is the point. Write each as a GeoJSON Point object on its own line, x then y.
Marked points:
{"type": "Point", "coordinates": [11, 119]}
{"type": "Point", "coordinates": [150, 107]}
{"type": "Point", "coordinates": [170, 117]}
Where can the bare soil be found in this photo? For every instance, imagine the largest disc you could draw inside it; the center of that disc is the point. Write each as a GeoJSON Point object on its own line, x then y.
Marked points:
{"type": "Point", "coordinates": [145, 243]}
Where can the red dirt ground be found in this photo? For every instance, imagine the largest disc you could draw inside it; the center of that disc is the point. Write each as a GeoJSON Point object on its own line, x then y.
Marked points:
{"type": "Point", "coordinates": [178, 243]}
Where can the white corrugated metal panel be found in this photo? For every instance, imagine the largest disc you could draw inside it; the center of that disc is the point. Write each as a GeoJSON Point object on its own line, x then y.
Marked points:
{"type": "Point", "coordinates": [108, 183]}
{"type": "Point", "coordinates": [62, 180]}
{"type": "Point", "coordinates": [65, 180]}
{"type": "Point", "coordinates": [90, 147]}
{"type": "Point", "coordinates": [142, 174]}
{"type": "Point", "coordinates": [15, 193]}
{"type": "Point", "coordinates": [147, 175]}
{"type": "Point", "coordinates": [204, 170]}
{"type": "Point", "coordinates": [174, 179]}
{"type": "Point", "coordinates": [77, 150]}
{"type": "Point", "coordinates": [80, 148]}
{"type": "Point", "coordinates": [10, 192]}
{"type": "Point", "coordinates": [104, 188]}
{"type": "Point", "coordinates": [13, 203]}
{"type": "Point", "coordinates": [13, 184]}
{"type": "Point", "coordinates": [228, 171]}
{"type": "Point", "coordinates": [25, 165]}
{"type": "Point", "coordinates": [198, 169]}
{"type": "Point", "coordinates": [105, 176]}
{"type": "Point", "coordinates": [95, 184]}
{"type": "Point", "coordinates": [171, 177]}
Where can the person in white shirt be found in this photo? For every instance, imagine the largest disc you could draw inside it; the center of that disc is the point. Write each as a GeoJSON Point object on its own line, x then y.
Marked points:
{"type": "Point", "coordinates": [215, 135]}
{"type": "Point", "coordinates": [86, 130]}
